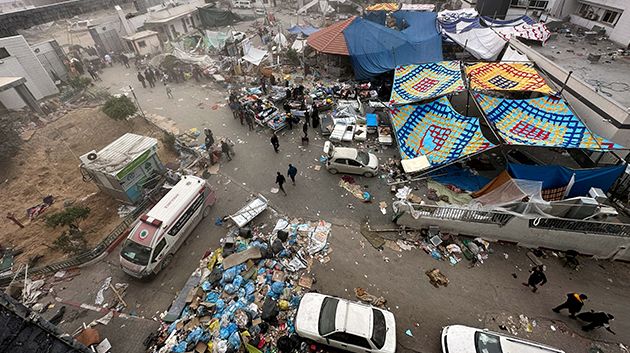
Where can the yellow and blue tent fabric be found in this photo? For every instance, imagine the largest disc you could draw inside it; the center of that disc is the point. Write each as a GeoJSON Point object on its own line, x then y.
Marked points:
{"type": "Point", "coordinates": [437, 131]}
{"type": "Point", "coordinates": [545, 121]}
{"type": "Point", "coordinates": [506, 77]}
{"type": "Point", "coordinates": [414, 83]}
{"type": "Point", "coordinates": [386, 6]}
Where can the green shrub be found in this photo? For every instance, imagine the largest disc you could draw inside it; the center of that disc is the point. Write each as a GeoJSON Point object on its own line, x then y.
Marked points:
{"type": "Point", "coordinates": [79, 82]}
{"type": "Point", "coordinates": [119, 108]}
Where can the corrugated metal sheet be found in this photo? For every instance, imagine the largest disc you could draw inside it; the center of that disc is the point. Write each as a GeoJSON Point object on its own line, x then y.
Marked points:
{"type": "Point", "coordinates": [330, 40]}
{"type": "Point", "coordinates": [121, 152]}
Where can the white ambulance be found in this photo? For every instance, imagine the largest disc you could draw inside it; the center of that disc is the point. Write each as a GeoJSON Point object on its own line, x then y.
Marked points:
{"type": "Point", "coordinates": [158, 234]}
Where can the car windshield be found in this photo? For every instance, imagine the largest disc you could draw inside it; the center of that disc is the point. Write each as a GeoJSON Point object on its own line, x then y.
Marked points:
{"type": "Point", "coordinates": [327, 315]}
{"type": "Point", "coordinates": [380, 329]}
{"type": "Point", "coordinates": [487, 343]}
{"type": "Point", "coordinates": [363, 157]}
{"type": "Point", "coordinates": [136, 253]}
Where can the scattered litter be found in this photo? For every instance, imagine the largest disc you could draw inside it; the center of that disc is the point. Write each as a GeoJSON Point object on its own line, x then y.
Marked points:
{"type": "Point", "coordinates": [437, 278]}
{"type": "Point", "coordinates": [368, 298]}
{"type": "Point", "coordinates": [409, 333]}
{"type": "Point", "coordinates": [100, 296]}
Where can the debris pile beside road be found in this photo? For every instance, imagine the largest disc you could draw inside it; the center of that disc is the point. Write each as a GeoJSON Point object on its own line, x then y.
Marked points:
{"type": "Point", "coordinates": [245, 293]}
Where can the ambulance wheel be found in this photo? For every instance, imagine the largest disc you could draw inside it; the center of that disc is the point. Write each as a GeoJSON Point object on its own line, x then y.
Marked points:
{"type": "Point", "coordinates": [333, 171]}
{"type": "Point", "coordinates": [167, 261]}
{"type": "Point", "coordinates": [206, 211]}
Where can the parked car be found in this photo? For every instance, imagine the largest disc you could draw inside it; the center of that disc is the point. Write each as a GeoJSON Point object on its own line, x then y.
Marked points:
{"type": "Point", "coordinates": [242, 4]}
{"type": "Point", "coordinates": [464, 339]}
{"type": "Point", "coordinates": [350, 160]}
{"type": "Point", "coordinates": [344, 324]}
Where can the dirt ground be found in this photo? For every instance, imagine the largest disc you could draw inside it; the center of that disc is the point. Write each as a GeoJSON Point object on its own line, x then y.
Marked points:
{"type": "Point", "coordinates": [48, 164]}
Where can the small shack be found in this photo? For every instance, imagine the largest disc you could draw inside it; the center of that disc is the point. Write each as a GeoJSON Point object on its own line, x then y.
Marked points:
{"type": "Point", "coordinates": [144, 43]}
{"type": "Point", "coordinates": [122, 167]}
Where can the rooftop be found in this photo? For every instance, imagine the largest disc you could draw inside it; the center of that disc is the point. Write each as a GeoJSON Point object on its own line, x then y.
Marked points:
{"type": "Point", "coordinates": [10, 82]}
{"type": "Point", "coordinates": [610, 75]}
{"type": "Point", "coordinates": [140, 35]}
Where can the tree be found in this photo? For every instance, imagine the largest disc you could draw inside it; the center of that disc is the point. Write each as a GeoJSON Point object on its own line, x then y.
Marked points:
{"type": "Point", "coordinates": [9, 140]}
{"type": "Point", "coordinates": [71, 241]}
{"type": "Point", "coordinates": [119, 108]}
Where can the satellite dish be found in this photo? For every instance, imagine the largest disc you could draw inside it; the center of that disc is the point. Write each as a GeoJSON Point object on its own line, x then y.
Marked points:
{"type": "Point", "coordinates": [92, 156]}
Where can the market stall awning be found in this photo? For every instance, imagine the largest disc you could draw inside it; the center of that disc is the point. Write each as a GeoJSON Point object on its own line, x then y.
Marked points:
{"type": "Point", "coordinates": [506, 77]}
{"type": "Point", "coordinates": [452, 15]}
{"type": "Point", "coordinates": [388, 6]}
{"type": "Point", "coordinates": [212, 17]}
{"type": "Point", "coordinates": [495, 22]}
{"type": "Point", "coordinates": [417, 7]}
{"type": "Point", "coordinates": [414, 83]}
{"type": "Point", "coordinates": [375, 49]}
{"type": "Point", "coordinates": [330, 40]}
{"type": "Point", "coordinates": [437, 133]}
{"type": "Point", "coordinates": [522, 27]}
{"type": "Point", "coordinates": [545, 121]}
{"type": "Point", "coordinates": [255, 55]}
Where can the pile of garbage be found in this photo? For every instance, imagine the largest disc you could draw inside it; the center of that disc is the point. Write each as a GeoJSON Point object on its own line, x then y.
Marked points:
{"type": "Point", "coordinates": [246, 292]}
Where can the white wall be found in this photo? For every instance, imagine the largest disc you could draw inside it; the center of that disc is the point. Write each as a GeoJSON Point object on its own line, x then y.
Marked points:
{"type": "Point", "coordinates": [152, 45]}
{"type": "Point", "coordinates": [621, 33]}
{"type": "Point", "coordinates": [22, 62]}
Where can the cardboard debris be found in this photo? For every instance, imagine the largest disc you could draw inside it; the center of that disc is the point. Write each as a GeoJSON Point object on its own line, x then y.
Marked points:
{"type": "Point", "coordinates": [241, 257]}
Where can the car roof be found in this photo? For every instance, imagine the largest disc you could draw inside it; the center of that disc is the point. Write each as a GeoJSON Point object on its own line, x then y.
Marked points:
{"type": "Point", "coordinates": [516, 345]}
{"type": "Point", "coordinates": [354, 318]}
{"type": "Point", "coordinates": [344, 152]}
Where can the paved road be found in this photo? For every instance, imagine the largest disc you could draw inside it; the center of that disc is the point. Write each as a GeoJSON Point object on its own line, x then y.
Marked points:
{"type": "Point", "coordinates": [485, 296]}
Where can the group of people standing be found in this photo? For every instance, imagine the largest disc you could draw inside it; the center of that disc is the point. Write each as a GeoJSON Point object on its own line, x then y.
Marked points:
{"type": "Point", "coordinates": [573, 303]}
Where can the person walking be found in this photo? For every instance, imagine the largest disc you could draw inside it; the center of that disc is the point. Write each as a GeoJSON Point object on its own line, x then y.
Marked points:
{"type": "Point", "coordinates": [574, 303]}
{"type": "Point", "coordinates": [292, 172]}
{"type": "Point", "coordinates": [314, 116]}
{"type": "Point", "coordinates": [226, 149]}
{"type": "Point", "coordinates": [141, 79]}
{"type": "Point", "coordinates": [275, 142]}
{"type": "Point", "coordinates": [125, 60]}
{"type": "Point", "coordinates": [305, 129]}
{"type": "Point", "coordinates": [249, 119]}
{"type": "Point", "coordinates": [289, 118]}
{"type": "Point", "coordinates": [148, 74]}
{"type": "Point", "coordinates": [92, 71]}
{"type": "Point", "coordinates": [280, 180]}
{"type": "Point", "coordinates": [169, 92]}
{"type": "Point", "coordinates": [595, 320]}
{"type": "Point", "coordinates": [536, 278]}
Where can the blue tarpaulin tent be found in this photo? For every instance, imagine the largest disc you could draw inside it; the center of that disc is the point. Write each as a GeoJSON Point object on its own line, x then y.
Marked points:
{"type": "Point", "coordinates": [375, 49]}
{"type": "Point", "coordinates": [554, 176]}
{"type": "Point", "coordinates": [306, 30]}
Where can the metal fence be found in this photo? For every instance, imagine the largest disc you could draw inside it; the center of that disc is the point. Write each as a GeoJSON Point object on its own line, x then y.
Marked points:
{"type": "Point", "coordinates": [461, 214]}
{"type": "Point", "coordinates": [588, 227]}
{"type": "Point", "coordinates": [87, 256]}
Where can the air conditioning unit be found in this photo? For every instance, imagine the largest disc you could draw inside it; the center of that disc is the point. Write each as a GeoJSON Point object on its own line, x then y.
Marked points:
{"type": "Point", "coordinates": [598, 194]}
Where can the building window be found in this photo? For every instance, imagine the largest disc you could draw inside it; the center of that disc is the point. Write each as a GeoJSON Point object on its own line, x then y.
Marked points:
{"type": "Point", "coordinates": [4, 53]}
{"type": "Point", "coordinates": [610, 17]}
{"type": "Point", "coordinates": [531, 4]}
{"type": "Point", "coordinates": [142, 44]}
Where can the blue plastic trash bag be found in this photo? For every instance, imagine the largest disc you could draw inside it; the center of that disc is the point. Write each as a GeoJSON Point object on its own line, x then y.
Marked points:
{"type": "Point", "coordinates": [230, 288]}
{"type": "Point", "coordinates": [238, 281]}
{"type": "Point", "coordinates": [179, 348]}
{"type": "Point", "coordinates": [172, 326]}
{"type": "Point", "coordinates": [225, 332]}
{"type": "Point", "coordinates": [277, 287]}
{"type": "Point", "coordinates": [250, 287]}
{"type": "Point", "coordinates": [195, 335]}
{"type": "Point", "coordinates": [229, 274]}
{"type": "Point", "coordinates": [206, 286]}
{"type": "Point", "coordinates": [367, 196]}
{"type": "Point", "coordinates": [235, 340]}
{"type": "Point", "coordinates": [212, 297]}
{"type": "Point", "coordinates": [218, 221]}
{"type": "Point", "coordinates": [220, 305]}
{"type": "Point", "coordinates": [295, 301]}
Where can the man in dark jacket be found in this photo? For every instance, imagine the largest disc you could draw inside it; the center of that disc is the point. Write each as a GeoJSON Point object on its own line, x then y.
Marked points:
{"type": "Point", "coordinates": [536, 277]}
{"type": "Point", "coordinates": [275, 142]}
{"type": "Point", "coordinates": [292, 172]}
{"type": "Point", "coordinates": [280, 180]}
{"type": "Point", "coordinates": [141, 79]}
{"type": "Point", "coordinates": [574, 303]}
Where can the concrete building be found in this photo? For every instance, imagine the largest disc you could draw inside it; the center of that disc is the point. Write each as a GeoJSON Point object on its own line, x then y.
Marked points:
{"type": "Point", "coordinates": [106, 37]}
{"type": "Point", "coordinates": [611, 15]}
{"type": "Point", "coordinates": [144, 43]}
{"type": "Point", "coordinates": [52, 58]}
{"type": "Point", "coordinates": [18, 60]}
{"type": "Point", "coordinates": [172, 22]}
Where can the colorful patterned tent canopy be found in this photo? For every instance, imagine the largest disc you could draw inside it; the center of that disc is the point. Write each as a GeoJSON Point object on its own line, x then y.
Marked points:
{"type": "Point", "coordinates": [387, 6]}
{"type": "Point", "coordinates": [413, 83]}
{"type": "Point", "coordinates": [506, 77]}
{"type": "Point", "coordinates": [545, 121]}
{"type": "Point", "coordinates": [437, 131]}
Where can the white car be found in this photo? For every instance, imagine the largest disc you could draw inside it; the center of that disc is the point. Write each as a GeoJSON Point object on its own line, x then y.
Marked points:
{"type": "Point", "coordinates": [345, 324]}
{"type": "Point", "coordinates": [464, 339]}
{"type": "Point", "coordinates": [350, 161]}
